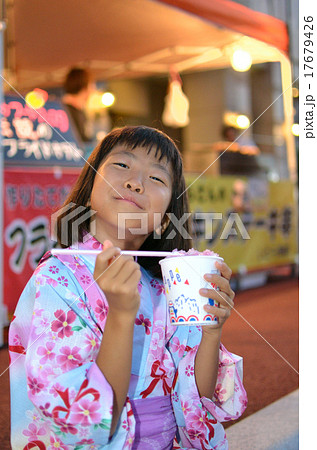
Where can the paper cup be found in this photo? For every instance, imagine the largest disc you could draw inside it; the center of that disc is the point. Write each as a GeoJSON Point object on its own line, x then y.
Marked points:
{"type": "Point", "coordinates": [183, 276]}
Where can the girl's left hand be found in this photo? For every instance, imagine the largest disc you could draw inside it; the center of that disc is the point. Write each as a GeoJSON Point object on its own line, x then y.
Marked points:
{"type": "Point", "coordinates": [224, 295]}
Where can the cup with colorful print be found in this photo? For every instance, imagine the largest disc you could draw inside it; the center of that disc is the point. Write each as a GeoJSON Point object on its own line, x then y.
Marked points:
{"type": "Point", "coordinates": [183, 277]}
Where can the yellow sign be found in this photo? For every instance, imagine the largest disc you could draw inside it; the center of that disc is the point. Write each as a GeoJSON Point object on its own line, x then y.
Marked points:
{"type": "Point", "coordinates": [250, 222]}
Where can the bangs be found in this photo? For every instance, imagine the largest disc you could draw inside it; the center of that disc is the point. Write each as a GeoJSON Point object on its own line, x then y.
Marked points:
{"type": "Point", "coordinates": [152, 139]}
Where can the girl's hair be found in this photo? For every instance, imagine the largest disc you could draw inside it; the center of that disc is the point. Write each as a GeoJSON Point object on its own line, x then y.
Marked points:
{"type": "Point", "coordinates": [131, 137]}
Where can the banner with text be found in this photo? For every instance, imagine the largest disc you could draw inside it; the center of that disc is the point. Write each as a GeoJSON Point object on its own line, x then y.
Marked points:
{"type": "Point", "coordinates": [30, 197]}
{"type": "Point", "coordinates": [252, 223]}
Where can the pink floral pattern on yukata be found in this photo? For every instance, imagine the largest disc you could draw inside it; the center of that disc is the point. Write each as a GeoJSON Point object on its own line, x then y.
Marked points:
{"type": "Point", "coordinates": [46, 352]}
{"type": "Point", "coordinates": [189, 371]}
{"type": "Point", "coordinates": [63, 322]}
{"type": "Point", "coordinates": [145, 322]}
{"type": "Point", "coordinates": [34, 385]}
{"type": "Point", "coordinates": [158, 286]}
{"type": "Point", "coordinates": [219, 393]}
{"type": "Point", "coordinates": [63, 281]}
{"type": "Point", "coordinates": [53, 269]}
{"type": "Point", "coordinates": [101, 310]}
{"type": "Point", "coordinates": [91, 344]}
{"type": "Point", "coordinates": [69, 358]}
{"type": "Point", "coordinates": [177, 347]}
{"type": "Point", "coordinates": [34, 431]}
{"type": "Point", "coordinates": [85, 412]}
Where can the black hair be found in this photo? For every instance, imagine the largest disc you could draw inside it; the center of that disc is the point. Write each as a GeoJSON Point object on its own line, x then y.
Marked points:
{"type": "Point", "coordinates": [131, 137]}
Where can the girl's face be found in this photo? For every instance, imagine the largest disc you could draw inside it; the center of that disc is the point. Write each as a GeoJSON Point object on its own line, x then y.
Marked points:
{"type": "Point", "coordinates": [130, 186]}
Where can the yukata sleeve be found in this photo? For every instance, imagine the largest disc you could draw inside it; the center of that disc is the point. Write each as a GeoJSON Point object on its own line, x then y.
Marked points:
{"type": "Point", "coordinates": [63, 380]}
{"type": "Point", "coordinates": [199, 417]}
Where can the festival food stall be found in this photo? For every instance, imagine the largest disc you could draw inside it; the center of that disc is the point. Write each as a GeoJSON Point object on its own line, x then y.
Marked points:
{"type": "Point", "coordinates": [142, 38]}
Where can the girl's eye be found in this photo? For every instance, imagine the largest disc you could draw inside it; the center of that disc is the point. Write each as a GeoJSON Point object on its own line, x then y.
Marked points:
{"type": "Point", "coordinates": [121, 165]}
{"type": "Point", "coordinates": [157, 179]}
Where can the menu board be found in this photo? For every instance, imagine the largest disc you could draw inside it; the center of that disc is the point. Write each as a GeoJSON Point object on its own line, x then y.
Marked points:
{"type": "Point", "coordinates": [38, 136]}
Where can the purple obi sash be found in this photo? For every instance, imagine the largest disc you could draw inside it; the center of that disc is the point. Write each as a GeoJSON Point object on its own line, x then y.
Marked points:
{"type": "Point", "coordinates": [155, 426]}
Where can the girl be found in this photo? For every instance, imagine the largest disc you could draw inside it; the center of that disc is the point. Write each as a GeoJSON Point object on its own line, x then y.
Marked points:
{"type": "Point", "coordinates": [95, 361]}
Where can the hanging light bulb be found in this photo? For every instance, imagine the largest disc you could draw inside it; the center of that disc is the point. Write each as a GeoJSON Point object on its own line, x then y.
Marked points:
{"type": "Point", "coordinates": [241, 60]}
{"type": "Point", "coordinates": [176, 108]}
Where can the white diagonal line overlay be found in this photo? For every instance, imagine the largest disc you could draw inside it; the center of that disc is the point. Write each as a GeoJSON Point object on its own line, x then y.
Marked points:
{"type": "Point", "coordinates": [237, 138]}
{"type": "Point", "coordinates": [62, 137]}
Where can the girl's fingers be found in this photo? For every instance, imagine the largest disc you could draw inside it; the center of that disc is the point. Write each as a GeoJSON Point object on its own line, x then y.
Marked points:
{"type": "Point", "coordinates": [106, 255]}
{"type": "Point", "coordinates": [108, 262]}
{"type": "Point", "coordinates": [222, 283]}
{"type": "Point", "coordinates": [220, 292]}
{"type": "Point", "coordinates": [225, 271]}
{"type": "Point", "coordinates": [221, 313]}
{"type": "Point", "coordinates": [218, 296]}
{"type": "Point", "coordinates": [135, 277]}
{"type": "Point", "coordinates": [107, 244]}
{"type": "Point", "coordinates": [127, 268]}
{"type": "Point", "coordinates": [116, 268]}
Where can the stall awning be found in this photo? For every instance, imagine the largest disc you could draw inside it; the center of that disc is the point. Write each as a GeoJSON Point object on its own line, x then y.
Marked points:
{"type": "Point", "coordinates": [237, 17]}
{"type": "Point", "coordinates": [128, 39]}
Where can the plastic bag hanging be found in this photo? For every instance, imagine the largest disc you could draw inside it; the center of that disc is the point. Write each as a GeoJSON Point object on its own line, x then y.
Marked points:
{"type": "Point", "coordinates": [176, 107]}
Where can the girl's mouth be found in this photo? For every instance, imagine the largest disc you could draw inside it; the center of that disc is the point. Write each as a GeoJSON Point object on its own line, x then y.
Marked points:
{"type": "Point", "coordinates": [129, 200]}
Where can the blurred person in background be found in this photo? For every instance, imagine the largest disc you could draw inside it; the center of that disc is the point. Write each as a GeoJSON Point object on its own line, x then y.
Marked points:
{"type": "Point", "coordinates": [78, 86]}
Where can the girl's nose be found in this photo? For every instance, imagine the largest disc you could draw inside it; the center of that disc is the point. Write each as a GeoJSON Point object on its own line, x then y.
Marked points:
{"type": "Point", "coordinates": [134, 185]}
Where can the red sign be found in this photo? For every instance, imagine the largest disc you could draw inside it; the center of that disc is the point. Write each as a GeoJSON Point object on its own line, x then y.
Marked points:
{"type": "Point", "coordinates": [30, 197]}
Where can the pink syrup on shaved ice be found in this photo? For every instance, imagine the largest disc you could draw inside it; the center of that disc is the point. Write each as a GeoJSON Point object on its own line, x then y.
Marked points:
{"type": "Point", "coordinates": [193, 252]}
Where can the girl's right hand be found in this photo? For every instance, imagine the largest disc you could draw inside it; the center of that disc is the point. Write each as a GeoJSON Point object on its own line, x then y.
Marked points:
{"type": "Point", "coordinates": [118, 277]}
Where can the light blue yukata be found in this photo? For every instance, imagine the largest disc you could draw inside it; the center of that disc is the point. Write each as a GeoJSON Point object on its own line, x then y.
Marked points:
{"type": "Point", "coordinates": [61, 399]}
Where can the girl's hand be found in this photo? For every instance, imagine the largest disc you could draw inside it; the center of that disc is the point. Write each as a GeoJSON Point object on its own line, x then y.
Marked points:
{"type": "Point", "coordinates": [118, 277]}
{"type": "Point", "coordinates": [224, 295]}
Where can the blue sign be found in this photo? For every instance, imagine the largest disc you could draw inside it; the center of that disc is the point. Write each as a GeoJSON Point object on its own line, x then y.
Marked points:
{"type": "Point", "coordinates": [41, 137]}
